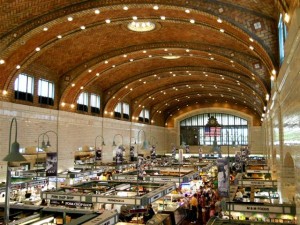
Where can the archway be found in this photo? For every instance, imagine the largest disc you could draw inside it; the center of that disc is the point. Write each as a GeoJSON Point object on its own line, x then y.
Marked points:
{"type": "Point", "coordinates": [288, 179]}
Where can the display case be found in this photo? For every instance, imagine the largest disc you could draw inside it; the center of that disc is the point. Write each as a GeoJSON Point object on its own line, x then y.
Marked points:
{"type": "Point", "coordinates": [176, 212]}
{"type": "Point", "coordinates": [160, 219]}
{"type": "Point", "coordinates": [258, 195]}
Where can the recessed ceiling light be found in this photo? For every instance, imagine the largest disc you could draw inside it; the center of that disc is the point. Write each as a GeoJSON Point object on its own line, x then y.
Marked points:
{"type": "Point", "coordinates": [149, 56]}
{"type": "Point", "coordinates": [192, 21]}
{"type": "Point", "coordinates": [97, 11]}
{"type": "Point", "coordinates": [251, 47]}
{"type": "Point", "coordinates": [187, 50]}
{"type": "Point", "coordinates": [251, 39]}
{"type": "Point", "coordinates": [124, 55]}
{"type": "Point", "coordinates": [155, 7]}
{"type": "Point", "coordinates": [45, 28]}
{"type": "Point", "coordinates": [125, 8]}
{"type": "Point", "coordinates": [81, 87]}
{"type": "Point", "coordinates": [144, 51]}
{"type": "Point", "coordinates": [82, 27]}
{"type": "Point", "coordinates": [187, 11]}
{"type": "Point", "coordinates": [134, 18]}
{"type": "Point", "coordinates": [219, 20]}
{"type": "Point", "coordinates": [59, 36]}
{"type": "Point", "coordinates": [222, 30]}
{"type": "Point", "coordinates": [162, 17]}
{"type": "Point", "coordinates": [106, 62]}
{"type": "Point", "coordinates": [2, 61]}
{"type": "Point", "coordinates": [107, 21]}
{"type": "Point", "coordinates": [131, 60]}
{"type": "Point", "coordinates": [97, 74]}
{"type": "Point", "coordinates": [18, 67]}
{"type": "Point", "coordinates": [73, 85]}
{"type": "Point", "coordinates": [89, 70]}
{"type": "Point", "coordinates": [70, 18]}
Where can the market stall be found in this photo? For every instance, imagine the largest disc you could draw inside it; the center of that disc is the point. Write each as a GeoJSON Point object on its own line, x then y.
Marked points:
{"type": "Point", "coordinates": [108, 194]}
{"type": "Point", "coordinates": [166, 174]}
{"type": "Point", "coordinates": [275, 213]}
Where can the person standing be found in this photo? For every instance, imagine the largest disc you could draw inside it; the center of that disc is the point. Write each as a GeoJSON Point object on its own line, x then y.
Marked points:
{"type": "Point", "coordinates": [148, 214]}
{"type": "Point", "coordinates": [194, 205]}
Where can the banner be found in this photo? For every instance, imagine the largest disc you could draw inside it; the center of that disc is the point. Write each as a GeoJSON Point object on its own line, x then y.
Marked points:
{"type": "Point", "coordinates": [173, 152]}
{"type": "Point", "coordinates": [140, 167]}
{"type": "Point", "coordinates": [223, 177]}
{"type": "Point", "coordinates": [131, 153]}
{"type": "Point", "coordinates": [119, 155]}
{"type": "Point", "coordinates": [98, 156]}
{"type": "Point", "coordinates": [200, 154]}
{"type": "Point", "coordinates": [51, 164]}
{"type": "Point", "coordinates": [153, 153]}
{"type": "Point", "coordinates": [187, 149]}
{"type": "Point", "coordinates": [180, 156]}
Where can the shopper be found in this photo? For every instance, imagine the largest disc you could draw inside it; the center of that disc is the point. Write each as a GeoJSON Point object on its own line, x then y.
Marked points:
{"type": "Point", "coordinates": [148, 214]}
{"type": "Point", "coordinates": [186, 206]}
{"type": "Point", "coordinates": [194, 205]}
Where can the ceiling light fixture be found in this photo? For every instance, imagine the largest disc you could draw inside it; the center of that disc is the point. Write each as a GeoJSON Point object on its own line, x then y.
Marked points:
{"type": "Point", "coordinates": [286, 17]}
{"type": "Point", "coordinates": [141, 26]}
{"type": "Point", "coordinates": [171, 57]}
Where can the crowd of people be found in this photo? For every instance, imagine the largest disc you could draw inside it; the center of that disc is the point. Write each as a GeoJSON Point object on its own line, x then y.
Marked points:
{"type": "Point", "coordinates": [202, 205]}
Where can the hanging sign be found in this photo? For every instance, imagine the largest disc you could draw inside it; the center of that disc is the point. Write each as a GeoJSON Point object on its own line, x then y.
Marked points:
{"type": "Point", "coordinates": [51, 164]}
{"type": "Point", "coordinates": [223, 177]}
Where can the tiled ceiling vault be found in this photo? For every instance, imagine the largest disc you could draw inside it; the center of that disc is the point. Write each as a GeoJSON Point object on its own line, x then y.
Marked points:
{"type": "Point", "coordinates": [216, 53]}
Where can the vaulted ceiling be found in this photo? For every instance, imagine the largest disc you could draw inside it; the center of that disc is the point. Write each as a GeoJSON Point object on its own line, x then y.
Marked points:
{"type": "Point", "coordinates": [201, 53]}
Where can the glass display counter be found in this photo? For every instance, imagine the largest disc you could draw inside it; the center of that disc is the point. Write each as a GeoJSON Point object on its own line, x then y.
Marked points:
{"type": "Point", "coordinates": [176, 212]}
{"type": "Point", "coordinates": [160, 219]}
{"type": "Point", "coordinates": [258, 195]}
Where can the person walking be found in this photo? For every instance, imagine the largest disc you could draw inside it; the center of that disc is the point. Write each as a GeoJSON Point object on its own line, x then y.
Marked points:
{"type": "Point", "coordinates": [194, 205]}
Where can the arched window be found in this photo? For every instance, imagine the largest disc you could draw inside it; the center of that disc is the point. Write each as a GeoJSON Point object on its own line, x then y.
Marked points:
{"type": "Point", "coordinates": [144, 116]}
{"type": "Point", "coordinates": [233, 130]}
{"type": "Point", "coordinates": [122, 110]}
